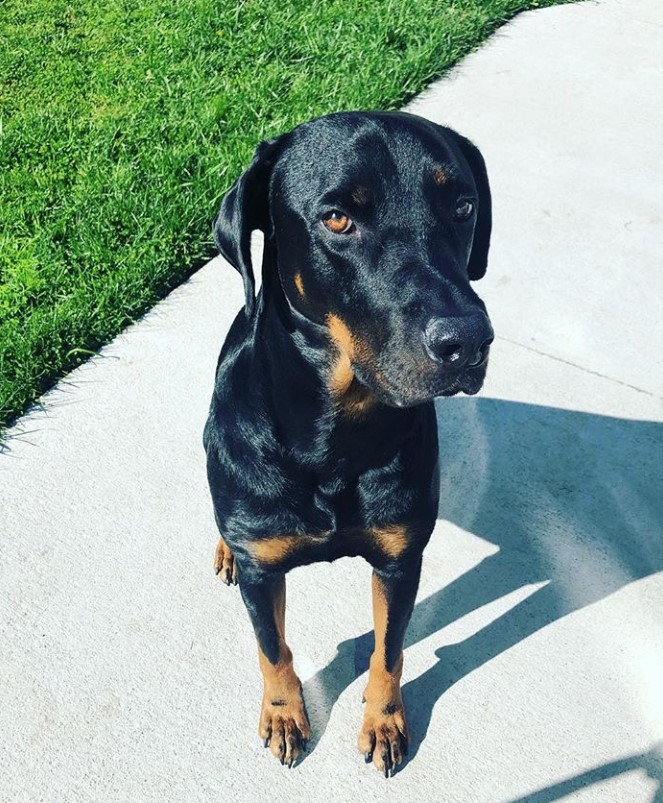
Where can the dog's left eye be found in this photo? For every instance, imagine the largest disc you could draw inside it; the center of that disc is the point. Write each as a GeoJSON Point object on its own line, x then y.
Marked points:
{"type": "Point", "coordinates": [338, 222]}
{"type": "Point", "coordinates": [463, 210]}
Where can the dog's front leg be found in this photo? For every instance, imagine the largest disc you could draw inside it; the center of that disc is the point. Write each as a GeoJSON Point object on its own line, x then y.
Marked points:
{"type": "Point", "coordinates": [383, 737]}
{"type": "Point", "coordinates": [284, 726]}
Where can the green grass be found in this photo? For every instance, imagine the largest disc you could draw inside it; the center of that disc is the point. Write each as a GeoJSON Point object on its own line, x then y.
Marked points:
{"type": "Point", "coordinates": [122, 122]}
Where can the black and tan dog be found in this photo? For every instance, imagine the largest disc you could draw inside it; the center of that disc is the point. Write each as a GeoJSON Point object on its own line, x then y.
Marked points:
{"type": "Point", "coordinates": [321, 440]}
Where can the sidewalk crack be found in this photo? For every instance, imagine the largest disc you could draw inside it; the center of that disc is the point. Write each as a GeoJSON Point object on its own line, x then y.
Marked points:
{"type": "Point", "coordinates": [580, 367]}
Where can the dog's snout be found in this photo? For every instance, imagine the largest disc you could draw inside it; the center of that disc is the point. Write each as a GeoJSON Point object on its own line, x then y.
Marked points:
{"type": "Point", "coordinates": [459, 342]}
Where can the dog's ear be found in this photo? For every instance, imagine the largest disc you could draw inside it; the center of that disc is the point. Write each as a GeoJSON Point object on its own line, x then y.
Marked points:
{"type": "Point", "coordinates": [244, 208]}
{"type": "Point", "coordinates": [478, 261]}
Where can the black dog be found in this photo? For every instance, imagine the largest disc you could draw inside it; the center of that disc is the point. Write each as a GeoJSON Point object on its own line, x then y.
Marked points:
{"type": "Point", "coordinates": [321, 440]}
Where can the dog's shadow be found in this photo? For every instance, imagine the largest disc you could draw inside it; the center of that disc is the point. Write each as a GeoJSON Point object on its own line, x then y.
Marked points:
{"type": "Point", "coordinates": [572, 499]}
{"type": "Point", "coordinates": [649, 762]}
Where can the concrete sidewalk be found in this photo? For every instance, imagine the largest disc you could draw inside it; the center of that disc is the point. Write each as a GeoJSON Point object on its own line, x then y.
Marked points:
{"type": "Point", "coordinates": [534, 665]}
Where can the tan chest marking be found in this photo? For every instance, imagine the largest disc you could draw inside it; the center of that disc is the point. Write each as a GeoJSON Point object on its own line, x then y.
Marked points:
{"type": "Point", "coordinates": [393, 539]}
{"type": "Point", "coordinates": [276, 548]}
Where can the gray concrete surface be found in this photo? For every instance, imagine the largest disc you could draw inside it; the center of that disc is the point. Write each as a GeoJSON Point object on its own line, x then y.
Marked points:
{"type": "Point", "coordinates": [534, 665]}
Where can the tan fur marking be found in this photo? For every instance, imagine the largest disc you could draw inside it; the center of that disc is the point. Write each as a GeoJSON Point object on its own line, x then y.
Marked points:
{"type": "Point", "coordinates": [353, 398]}
{"type": "Point", "coordinates": [357, 399]}
{"type": "Point", "coordinates": [341, 373]}
{"type": "Point", "coordinates": [440, 176]}
{"type": "Point", "coordinates": [276, 548]}
{"type": "Point", "coordinates": [341, 335]}
{"type": "Point", "coordinates": [283, 721]}
{"type": "Point", "coordinates": [299, 284]}
{"type": "Point", "coordinates": [380, 612]}
{"type": "Point", "coordinates": [224, 563]}
{"type": "Point", "coordinates": [384, 723]}
{"type": "Point", "coordinates": [272, 672]}
{"type": "Point", "coordinates": [392, 540]}
{"type": "Point", "coordinates": [342, 376]}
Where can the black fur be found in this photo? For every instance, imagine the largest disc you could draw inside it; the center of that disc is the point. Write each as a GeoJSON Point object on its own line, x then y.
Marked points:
{"type": "Point", "coordinates": [283, 455]}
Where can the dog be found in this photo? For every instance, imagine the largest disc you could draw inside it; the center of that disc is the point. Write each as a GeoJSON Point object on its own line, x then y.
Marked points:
{"type": "Point", "coordinates": [321, 440]}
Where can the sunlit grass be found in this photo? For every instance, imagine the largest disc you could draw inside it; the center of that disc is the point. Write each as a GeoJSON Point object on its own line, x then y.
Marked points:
{"type": "Point", "coordinates": [123, 122]}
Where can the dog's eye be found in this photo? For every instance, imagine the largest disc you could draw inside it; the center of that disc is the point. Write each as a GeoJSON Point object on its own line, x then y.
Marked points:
{"type": "Point", "coordinates": [463, 210]}
{"type": "Point", "coordinates": [338, 222]}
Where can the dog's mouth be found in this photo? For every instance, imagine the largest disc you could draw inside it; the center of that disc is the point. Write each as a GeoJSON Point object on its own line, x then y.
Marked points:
{"type": "Point", "coordinates": [469, 382]}
{"type": "Point", "coordinates": [417, 388]}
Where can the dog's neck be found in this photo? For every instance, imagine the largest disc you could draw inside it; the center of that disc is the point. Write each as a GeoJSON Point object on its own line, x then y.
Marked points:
{"type": "Point", "coordinates": [315, 400]}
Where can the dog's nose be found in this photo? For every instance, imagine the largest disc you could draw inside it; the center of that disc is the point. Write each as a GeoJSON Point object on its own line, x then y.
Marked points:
{"type": "Point", "coordinates": [459, 342]}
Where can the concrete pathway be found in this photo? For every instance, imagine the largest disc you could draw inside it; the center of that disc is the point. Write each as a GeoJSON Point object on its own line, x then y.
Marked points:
{"type": "Point", "coordinates": [534, 666]}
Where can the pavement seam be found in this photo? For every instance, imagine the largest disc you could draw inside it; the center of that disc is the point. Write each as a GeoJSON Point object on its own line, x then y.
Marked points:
{"type": "Point", "coordinates": [580, 367]}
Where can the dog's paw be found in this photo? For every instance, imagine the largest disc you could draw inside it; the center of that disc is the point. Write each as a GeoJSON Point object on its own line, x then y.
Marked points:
{"type": "Point", "coordinates": [284, 728]}
{"type": "Point", "coordinates": [383, 738]}
{"type": "Point", "coordinates": [224, 563]}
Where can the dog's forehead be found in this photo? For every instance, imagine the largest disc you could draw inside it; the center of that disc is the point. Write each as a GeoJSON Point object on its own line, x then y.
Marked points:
{"type": "Point", "coordinates": [365, 151]}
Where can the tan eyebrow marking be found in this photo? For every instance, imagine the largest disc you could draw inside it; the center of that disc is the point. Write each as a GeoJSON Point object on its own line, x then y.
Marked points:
{"type": "Point", "coordinates": [440, 176]}
{"type": "Point", "coordinates": [299, 284]}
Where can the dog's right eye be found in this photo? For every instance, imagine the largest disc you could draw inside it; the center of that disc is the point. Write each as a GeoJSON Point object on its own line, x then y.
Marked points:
{"type": "Point", "coordinates": [338, 222]}
{"type": "Point", "coordinates": [464, 209]}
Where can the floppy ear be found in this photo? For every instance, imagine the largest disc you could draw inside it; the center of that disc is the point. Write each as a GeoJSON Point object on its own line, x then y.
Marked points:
{"type": "Point", "coordinates": [478, 261]}
{"type": "Point", "coordinates": [244, 208]}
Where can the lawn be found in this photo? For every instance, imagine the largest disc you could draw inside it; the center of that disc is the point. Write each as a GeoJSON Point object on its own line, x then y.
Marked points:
{"type": "Point", "coordinates": [123, 122]}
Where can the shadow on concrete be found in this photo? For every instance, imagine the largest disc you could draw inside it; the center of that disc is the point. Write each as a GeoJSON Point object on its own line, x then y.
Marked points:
{"type": "Point", "coordinates": [571, 499]}
{"type": "Point", "coordinates": [651, 762]}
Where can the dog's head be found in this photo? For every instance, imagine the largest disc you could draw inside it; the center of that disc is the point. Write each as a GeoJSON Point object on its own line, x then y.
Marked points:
{"type": "Point", "coordinates": [376, 223]}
